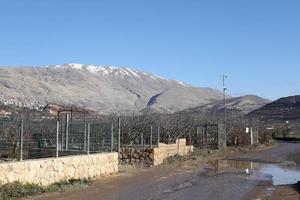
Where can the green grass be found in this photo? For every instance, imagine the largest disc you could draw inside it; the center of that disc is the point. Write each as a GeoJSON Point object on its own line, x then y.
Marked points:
{"type": "Point", "coordinates": [18, 190]}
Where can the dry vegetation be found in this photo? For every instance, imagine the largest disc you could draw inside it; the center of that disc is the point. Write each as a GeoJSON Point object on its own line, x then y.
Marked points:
{"type": "Point", "coordinates": [134, 128]}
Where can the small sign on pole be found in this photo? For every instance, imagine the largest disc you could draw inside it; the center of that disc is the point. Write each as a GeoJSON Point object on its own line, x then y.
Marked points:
{"type": "Point", "coordinates": [247, 129]}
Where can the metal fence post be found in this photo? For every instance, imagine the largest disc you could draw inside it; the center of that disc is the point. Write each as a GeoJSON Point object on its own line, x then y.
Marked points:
{"type": "Point", "coordinates": [158, 136]}
{"type": "Point", "coordinates": [57, 137]}
{"type": "Point", "coordinates": [103, 142]}
{"type": "Point", "coordinates": [84, 138]}
{"type": "Point", "coordinates": [119, 135]}
{"type": "Point", "coordinates": [256, 137]}
{"type": "Point", "coordinates": [219, 138]}
{"type": "Point", "coordinates": [151, 133]}
{"type": "Point", "coordinates": [112, 138]}
{"type": "Point", "coordinates": [142, 140]}
{"type": "Point", "coordinates": [251, 136]}
{"type": "Point", "coordinates": [88, 138]}
{"type": "Point", "coordinates": [62, 136]}
{"type": "Point", "coordinates": [21, 140]}
{"type": "Point", "coordinates": [67, 132]}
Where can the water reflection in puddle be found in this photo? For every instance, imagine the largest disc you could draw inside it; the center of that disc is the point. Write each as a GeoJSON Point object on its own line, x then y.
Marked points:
{"type": "Point", "coordinates": [280, 175]}
{"type": "Point", "coordinates": [218, 167]}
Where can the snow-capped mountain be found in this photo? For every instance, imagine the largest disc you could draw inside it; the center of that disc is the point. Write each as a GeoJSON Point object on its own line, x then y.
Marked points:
{"type": "Point", "coordinates": [104, 89]}
{"type": "Point", "coordinates": [110, 71]}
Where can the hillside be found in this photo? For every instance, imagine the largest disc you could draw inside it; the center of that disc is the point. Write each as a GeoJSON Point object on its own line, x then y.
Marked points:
{"type": "Point", "coordinates": [100, 88]}
{"type": "Point", "coordinates": [283, 109]}
{"type": "Point", "coordinates": [243, 105]}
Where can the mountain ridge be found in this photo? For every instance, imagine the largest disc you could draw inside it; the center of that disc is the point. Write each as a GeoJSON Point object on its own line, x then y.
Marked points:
{"type": "Point", "coordinates": [282, 109]}
{"type": "Point", "coordinates": [105, 89]}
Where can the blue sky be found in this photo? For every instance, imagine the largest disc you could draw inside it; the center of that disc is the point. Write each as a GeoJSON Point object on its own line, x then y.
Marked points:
{"type": "Point", "coordinates": [255, 42]}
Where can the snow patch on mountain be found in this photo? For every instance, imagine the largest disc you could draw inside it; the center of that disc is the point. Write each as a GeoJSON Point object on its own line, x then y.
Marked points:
{"type": "Point", "coordinates": [115, 71]}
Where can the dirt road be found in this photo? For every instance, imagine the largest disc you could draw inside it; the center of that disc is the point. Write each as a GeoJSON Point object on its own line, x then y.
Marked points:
{"type": "Point", "coordinates": [188, 180]}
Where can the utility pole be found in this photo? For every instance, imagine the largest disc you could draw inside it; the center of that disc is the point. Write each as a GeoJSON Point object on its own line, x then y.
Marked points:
{"type": "Point", "coordinates": [224, 101]}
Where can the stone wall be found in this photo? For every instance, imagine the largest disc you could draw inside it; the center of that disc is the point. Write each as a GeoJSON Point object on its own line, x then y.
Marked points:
{"type": "Point", "coordinates": [139, 156]}
{"type": "Point", "coordinates": [47, 171]}
{"type": "Point", "coordinates": [167, 150]}
{"type": "Point", "coordinates": [154, 156]}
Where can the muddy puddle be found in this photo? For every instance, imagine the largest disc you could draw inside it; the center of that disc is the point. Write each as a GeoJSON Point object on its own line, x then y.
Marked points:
{"type": "Point", "coordinates": [276, 173]}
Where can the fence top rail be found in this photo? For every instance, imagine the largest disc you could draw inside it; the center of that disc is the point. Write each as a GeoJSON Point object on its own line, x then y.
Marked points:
{"type": "Point", "coordinates": [28, 121]}
{"type": "Point", "coordinates": [17, 121]}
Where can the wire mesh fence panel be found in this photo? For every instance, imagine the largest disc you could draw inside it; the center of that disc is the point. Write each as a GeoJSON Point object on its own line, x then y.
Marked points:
{"type": "Point", "coordinates": [72, 137]}
{"type": "Point", "coordinates": [153, 136]}
{"type": "Point", "coordinates": [168, 136]}
{"type": "Point", "coordinates": [144, 137]}
{"type": "Point", "coordinates": [39, 139]}
{"type": "Point", "coordinates": [210, 136]}
{"type": "Point", "coordinates": [102, 137]}
{"type": "Point", "coordinates": [9, 140]}
{"type": "Point", "coordinates": [85, 138]}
